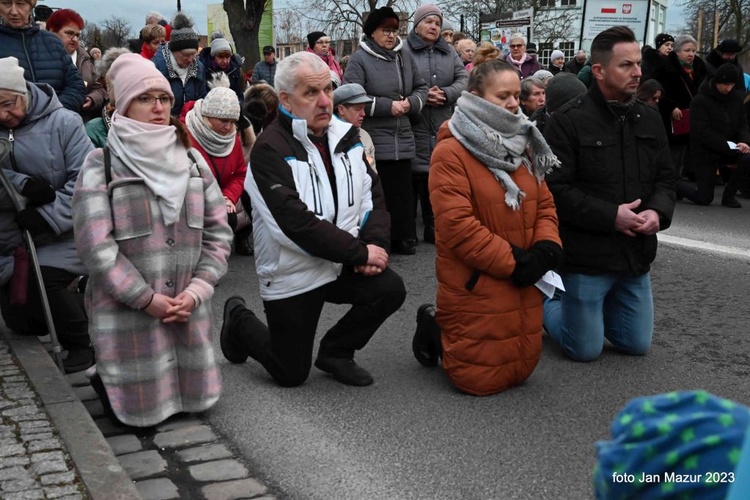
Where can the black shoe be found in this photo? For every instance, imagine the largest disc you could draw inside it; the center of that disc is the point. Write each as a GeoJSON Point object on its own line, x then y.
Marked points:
{"type": "Point", "coordinates": [345, 371]}
{"type": "Point", "coordinates": [232, 348]}
{"type": "Point", "coordinates": [423, 344]}
{"type": "Point", "coordinates": [731, 203]}
{"type": "Point", "coordinates": [404, 247]}
{"type": "Point", "coordinates": [243, 244]}
{"type": "Point", "coordinates": [429, 234]}
{"type": "Point", "coordinates": [98, 386]}
{"type": "Point", "coordinates": [79, 358]}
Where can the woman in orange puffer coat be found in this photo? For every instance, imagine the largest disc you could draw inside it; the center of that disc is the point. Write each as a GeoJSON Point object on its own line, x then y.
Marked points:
{"type": "Point", "coordinates": [496, 235]}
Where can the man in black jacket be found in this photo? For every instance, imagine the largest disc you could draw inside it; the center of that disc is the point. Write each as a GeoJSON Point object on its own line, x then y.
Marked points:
{"type": "Point", "coordinates": [614, 191]}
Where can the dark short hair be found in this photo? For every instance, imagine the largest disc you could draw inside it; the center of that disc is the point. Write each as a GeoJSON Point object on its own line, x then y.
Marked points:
{"type": "Point", "coordinates": [604, 43]}
{"type": "Point", "coordinates": [648, 88]}
{"type": "Point", "coordinates": [481, 71]}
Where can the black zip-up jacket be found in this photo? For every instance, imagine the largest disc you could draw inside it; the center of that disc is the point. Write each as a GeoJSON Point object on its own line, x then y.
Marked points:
{"type": "Point", "coordinates": [715, 119]}
{"type": "Point", "coordinates": [607, 160]}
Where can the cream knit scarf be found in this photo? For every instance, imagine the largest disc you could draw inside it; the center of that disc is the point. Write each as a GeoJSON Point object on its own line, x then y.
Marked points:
{"type": "Point", "coordinates": [502, 141]}
{"type": "Point", "coordinates": [154, 154]}
{"type": "Point", "coordinates": [214, 143]}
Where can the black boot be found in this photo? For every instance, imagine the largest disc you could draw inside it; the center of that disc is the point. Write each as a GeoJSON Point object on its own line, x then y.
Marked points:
{"type": "Point", "coordinates": [243, 242]}
{"type": "Point", "coordinates": [426, 342]}
{"type": "Point", "coordinates": [80, 352]}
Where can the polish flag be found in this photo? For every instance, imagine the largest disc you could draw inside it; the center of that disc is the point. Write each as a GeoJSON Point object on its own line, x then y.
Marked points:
{"type": "Point", "coordinates": [607, 10]}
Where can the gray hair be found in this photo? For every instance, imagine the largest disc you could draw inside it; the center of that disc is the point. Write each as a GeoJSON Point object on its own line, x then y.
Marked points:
{"type": "Point", "coordinates": [153, 17]}
{"type": "Point", "coordinates": [527, 86]}
{"type": "Point", "coordinates": [682, 40]}
{"type": "Point", "coordinates": [287, 70]}
{"type": "Point", "coordinates": [517, 36]}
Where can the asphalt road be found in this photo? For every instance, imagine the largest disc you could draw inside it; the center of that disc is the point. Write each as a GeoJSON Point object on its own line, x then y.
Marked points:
{"type": "Point", "coordinates": [412, 436]}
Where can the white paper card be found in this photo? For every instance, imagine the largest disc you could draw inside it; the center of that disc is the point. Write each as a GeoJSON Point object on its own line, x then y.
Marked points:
{"type": "Point", "coordinates": [549, 282]}
{"type": "Point", "coordinates": [732, 145]}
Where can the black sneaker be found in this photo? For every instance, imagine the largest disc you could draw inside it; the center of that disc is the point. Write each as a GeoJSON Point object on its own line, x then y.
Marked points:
{"type": "Point", "coordinates": [79, 358]}
{"type": "Point", "coordinates": [345, 371]}
{"type": "Point", "coordinates": [731, 203]}
{"type": "Point", "coordinates": [232, 348]}
{"type": "Point", "coordinates": [423, 344]}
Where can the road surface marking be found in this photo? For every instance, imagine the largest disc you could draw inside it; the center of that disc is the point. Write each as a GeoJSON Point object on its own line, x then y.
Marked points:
{"type": "Point", "coordinates": [705, 246]}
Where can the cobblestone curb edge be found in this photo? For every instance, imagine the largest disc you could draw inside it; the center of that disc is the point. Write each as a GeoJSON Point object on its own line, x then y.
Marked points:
{"type": "Point", "coordinates": [100, 470]}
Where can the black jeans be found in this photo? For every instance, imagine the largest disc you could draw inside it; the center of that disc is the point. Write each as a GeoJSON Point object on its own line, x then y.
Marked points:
{"type": "Point", "coordinates": [66, 306]}
{"type": "Point", "coordinates": [285, 346]}
{"type": "Point", "coordinates": [421, 190]}
{"type": "Point", "coordinates": [705, 178]}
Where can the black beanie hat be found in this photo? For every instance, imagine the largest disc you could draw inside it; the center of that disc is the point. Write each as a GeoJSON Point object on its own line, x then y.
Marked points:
{"type": "Point", "coordinates": [663, 38]}
{"type": "Point", "coordinates": [314, 37]}
{"type": "Point", "coordinates": [376, 18]}
{"type": "Point", "coordinates": [727, 73]}
{"type": "Point", "coordinates": [183, 36]}
{"type": "Point", "coordinates": [562, 88]}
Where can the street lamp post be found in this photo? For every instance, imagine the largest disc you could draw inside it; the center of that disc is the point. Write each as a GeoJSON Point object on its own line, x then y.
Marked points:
{"type": "Point", "coordinates": [179, 6]}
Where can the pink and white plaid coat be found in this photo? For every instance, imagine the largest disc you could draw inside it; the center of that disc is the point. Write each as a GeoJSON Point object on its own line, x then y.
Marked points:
{"type": "Point", "coordinates": [150, 370]}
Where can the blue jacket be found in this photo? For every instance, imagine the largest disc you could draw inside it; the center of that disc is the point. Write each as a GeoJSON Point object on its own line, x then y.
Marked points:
{"type": "Point", "coordinates": [44, 60]}
{"type": "Point", "coordinates": [50, 144]}
{"type": "Point", "coordinates": [264, 72]}
{"type": "Point", "coordinates": [195, 85]}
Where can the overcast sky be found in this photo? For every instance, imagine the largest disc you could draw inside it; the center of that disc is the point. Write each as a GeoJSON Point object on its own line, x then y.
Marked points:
{"type": "Point", "coordinates": [134, 11]}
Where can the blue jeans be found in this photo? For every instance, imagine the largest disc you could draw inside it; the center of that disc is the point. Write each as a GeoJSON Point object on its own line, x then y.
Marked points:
{"type": "Point", "coordinates": [618, 307]}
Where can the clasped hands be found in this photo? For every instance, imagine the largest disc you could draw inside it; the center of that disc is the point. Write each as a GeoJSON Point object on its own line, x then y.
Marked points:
{"type": "Point", "coordinates": [631, 223]}
{"type": "Point", "coordinates": [400, 108]}
{"type": "Point", "coordinates": [377, 261]}
{"type": "Point", "coordinates": [169, 310]}
{"type": "Point", "coordinates": [436, 97]}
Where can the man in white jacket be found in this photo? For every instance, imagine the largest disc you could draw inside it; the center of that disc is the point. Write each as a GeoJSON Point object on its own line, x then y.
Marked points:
{"type": "Point", "coordinates": [321, 234]}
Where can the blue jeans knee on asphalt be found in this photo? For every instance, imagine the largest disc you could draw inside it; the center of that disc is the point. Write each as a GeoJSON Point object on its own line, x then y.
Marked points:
{"type": "Point", "coordinates": [618, 307]}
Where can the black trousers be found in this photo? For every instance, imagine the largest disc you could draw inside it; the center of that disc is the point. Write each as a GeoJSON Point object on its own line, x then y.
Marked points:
{"type": "Point", "coordinates": [705, 178]}
{"type": "Point", "coordinates": [66, 306]}
{"type": "Point", "coordinates": [421, 190]}
{"type": "Point", "coordinates": [395, 176]}
{"type": "Point", "coordinates": [285, 346]}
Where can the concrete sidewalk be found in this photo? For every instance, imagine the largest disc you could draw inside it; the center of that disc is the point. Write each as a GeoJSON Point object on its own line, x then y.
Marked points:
{"type": "Point", "coordinates": [56, 443]}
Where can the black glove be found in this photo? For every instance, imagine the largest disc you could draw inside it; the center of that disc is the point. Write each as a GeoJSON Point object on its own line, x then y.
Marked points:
{"type": "Point", "coordinates": [528, 267]}
{"type": "Point", "coordinates": [31, 220]}
{"type": "Point", "coordinates": [549, 254]}
{"type": "Point", "coordinates": [39, 192]}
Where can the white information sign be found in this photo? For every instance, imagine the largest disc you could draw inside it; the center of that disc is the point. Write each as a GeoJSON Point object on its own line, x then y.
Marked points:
{"type": "Point", "coordinates": [602, 14]}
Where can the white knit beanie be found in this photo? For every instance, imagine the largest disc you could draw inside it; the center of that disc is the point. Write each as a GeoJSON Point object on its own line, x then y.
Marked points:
{"type": "Point", "coordinates": [11, 76]}
{"type": "Point", "coordinates": [219, 45]}
{"type": "Point", "coordinates": [556, 54]}
{"type": "Point", "coordinates": [221, 103]}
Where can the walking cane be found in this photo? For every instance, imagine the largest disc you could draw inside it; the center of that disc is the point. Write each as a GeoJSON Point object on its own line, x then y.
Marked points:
{"type": "Point", "coordinates": [6, 148]}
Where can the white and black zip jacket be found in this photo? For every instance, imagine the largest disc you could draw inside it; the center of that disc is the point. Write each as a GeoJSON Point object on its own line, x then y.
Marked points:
{"type": "Point", "coordinates": [303, 233]}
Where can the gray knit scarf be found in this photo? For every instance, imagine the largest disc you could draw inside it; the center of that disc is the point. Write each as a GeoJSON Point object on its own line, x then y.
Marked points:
{"type": "Point", "coordinates": [502, 141]}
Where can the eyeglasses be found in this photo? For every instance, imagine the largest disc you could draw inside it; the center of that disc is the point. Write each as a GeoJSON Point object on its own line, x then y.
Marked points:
{"type": "Point", "coordinates": [388, 32]}
{"type": "Point", "coordinates": [10, 104]}
{"type": "Point", "coordinates": [149, 100]}
{"type": "Point", "coordinates": [72, 34]}
{"type": "Point", "coordinates": [515, 45]}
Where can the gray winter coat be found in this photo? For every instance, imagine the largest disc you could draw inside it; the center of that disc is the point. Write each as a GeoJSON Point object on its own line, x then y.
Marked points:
{"type": "Point", "coordinates": [440, 66]}
{"type": "Point", "coordinates": [50, 144]}
{"type": "Point", "coordinates": [387, 76]}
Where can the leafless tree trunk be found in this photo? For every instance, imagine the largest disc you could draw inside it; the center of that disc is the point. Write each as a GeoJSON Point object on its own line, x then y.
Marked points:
{"type": "Point", "coordinates": [244, 23]}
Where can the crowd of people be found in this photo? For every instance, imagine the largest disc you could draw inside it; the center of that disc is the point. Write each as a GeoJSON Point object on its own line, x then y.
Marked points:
{"type": "Point", "coordinates": [163, 157]}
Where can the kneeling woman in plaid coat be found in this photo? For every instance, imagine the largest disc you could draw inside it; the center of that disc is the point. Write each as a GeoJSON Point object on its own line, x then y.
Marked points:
{"type": "Point", "coordinates": [151, 226]}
